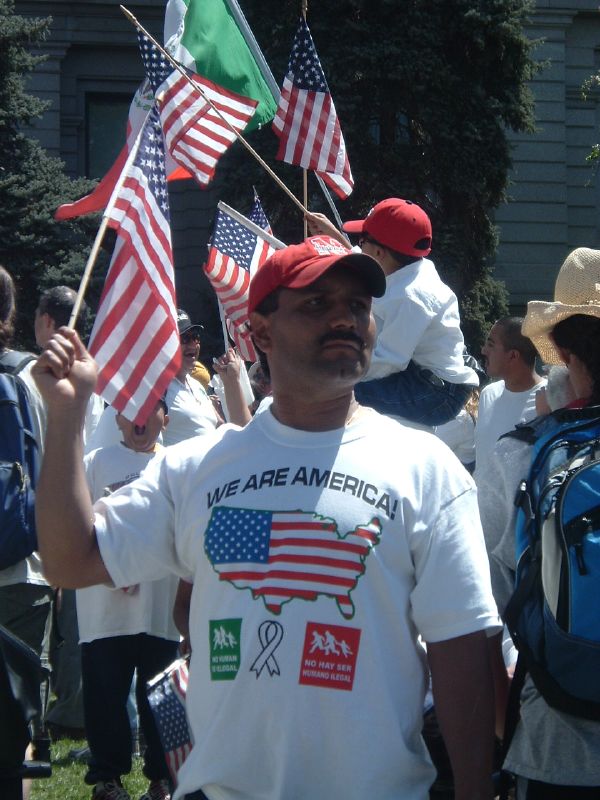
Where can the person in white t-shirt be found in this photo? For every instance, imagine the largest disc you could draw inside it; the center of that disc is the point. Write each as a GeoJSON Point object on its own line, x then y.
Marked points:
{"type": "Point", "coordinates": [124, 630]}
{"type": "Point", "coordinates": [323, 540]}
{"type": "Point", "coordinates": [191, 412]}
{"type": "Point", "coordinates": [418, 372]}
{"type": "Point", "coordinates": [509, 359]}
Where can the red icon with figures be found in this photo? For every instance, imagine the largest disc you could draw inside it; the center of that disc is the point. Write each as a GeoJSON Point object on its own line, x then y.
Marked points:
{"type": "Point", "coordinates": [329, 656]}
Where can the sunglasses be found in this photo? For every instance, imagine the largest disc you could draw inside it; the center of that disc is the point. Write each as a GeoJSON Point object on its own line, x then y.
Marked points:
{"type": "Point", "coordinates": [186, 338]}
{"type": "Point", "coordinates": [368, 240]}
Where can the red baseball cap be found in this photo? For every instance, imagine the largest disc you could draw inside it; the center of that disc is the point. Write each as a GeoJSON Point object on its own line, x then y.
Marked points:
{"type": "Point", "coordinates": [397, 224]}
{"type": "Point", "coordinates": [299, 265]}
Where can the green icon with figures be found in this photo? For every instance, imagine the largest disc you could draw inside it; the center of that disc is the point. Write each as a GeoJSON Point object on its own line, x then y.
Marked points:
{"type": "Point", "coordinates": [225, 637]}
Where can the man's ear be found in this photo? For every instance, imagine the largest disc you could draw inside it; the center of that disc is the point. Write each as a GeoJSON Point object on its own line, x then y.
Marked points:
{"type": "Point", "coordinates": [260, 327]}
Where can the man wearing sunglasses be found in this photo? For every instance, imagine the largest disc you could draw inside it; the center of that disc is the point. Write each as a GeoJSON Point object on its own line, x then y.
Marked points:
{"type": "Point", "coordinates": [191, 412]}
{"type": "Point", "coordinates": [417, 370]}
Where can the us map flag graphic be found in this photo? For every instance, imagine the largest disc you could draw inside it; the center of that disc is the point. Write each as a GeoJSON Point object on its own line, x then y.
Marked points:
{"type": "Point", "coordinates": [286, 555]}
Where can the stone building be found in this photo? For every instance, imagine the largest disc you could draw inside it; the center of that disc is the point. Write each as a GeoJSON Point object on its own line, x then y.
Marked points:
{"type": "Point", "coordinates": [554, 199]}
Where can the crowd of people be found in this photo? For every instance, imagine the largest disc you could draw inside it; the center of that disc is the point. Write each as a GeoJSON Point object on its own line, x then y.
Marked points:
{"type": "Point", "coordinates": [316, 545]}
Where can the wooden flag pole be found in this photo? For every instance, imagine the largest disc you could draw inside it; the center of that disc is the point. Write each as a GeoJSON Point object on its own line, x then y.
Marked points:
{"type": "Point", "coordinates": [198, 88]}
{"type": "Point", "coordinates": [304, 11]}
{"type": "Point", "coordinates": [91, 262]}
{"type": "Point", "coordinates": [305, 197]}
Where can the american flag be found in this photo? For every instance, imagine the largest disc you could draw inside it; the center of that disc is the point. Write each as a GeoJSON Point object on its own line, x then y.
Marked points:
{"type": "Point", "coordinates": [166, 695]}
{"type": "Point", "coordinates": [135, 340]}
{"type": "Point", "coordinates": [306, 121]}
{"type": "Point", "coordinates": [288, 554]}
{"type": "Point", "coordinates": [235, 255]}
{"type": "Point", "coordinates": [196, 136]}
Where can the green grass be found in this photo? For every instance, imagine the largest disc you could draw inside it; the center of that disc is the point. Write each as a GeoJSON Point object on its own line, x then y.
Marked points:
{"type": "Point", "coordinates": [67, 782]}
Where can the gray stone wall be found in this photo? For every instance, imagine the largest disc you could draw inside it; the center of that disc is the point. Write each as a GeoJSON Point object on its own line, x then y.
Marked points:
{"type": "Point", "coordinates": [553, 199]}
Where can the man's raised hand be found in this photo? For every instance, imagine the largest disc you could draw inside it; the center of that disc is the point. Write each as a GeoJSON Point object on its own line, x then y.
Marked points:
{"type": "Point", "coordinates": [319, 225]}
{"type": "Point", "coordinates": [65, 372]}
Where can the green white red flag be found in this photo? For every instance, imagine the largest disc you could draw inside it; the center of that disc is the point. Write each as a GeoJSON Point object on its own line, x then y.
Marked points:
{"type": "Point", "coordinates": [212, 38]}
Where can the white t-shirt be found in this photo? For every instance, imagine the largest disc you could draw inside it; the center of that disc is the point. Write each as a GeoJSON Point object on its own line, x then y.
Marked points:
{"type": "Point", "coordinates": [147, 608]}
{"type": "Point", "coordinates": [317, 559]}
{"type": "Point", "coordinates": [191, 412]}
{"type": "Point", "coordinates": [417, 319]}
{"type": "Point", "coordinates": [459, 434]}
{"type": "Point", "coordinates": [499, 411]}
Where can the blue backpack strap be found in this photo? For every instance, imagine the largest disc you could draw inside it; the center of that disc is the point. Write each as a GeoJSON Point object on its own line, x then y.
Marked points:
{"type": "Point", "coordinates": [13, 443]}
{"type": "Point", "coordinates": [13, 361]}
{"type": "Point", "coordinates": [18, 473]}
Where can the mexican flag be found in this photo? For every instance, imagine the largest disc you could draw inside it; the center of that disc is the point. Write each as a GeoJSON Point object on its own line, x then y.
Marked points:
{"type": "Point", "coordinates": [212, 38]}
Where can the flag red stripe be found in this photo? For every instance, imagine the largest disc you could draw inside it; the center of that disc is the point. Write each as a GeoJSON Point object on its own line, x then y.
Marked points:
{"type": "Point", "coordinates": [286, 575]}
{"type": "Point", "coordinates": [302, 526]}
{"type": "Point", "coordinates": [317, 560]}
{"type": "Point", "coordinates": [329, 544]}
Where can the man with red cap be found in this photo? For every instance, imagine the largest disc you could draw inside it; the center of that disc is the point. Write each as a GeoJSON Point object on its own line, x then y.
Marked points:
{"type": "Point", "coordinates": [417, 370]}
{"type": "Point", "coordinates": [326, 543]}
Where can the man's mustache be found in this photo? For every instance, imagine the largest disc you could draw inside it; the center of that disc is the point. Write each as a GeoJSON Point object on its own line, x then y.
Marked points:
{"type": "Point", "coordinates": [335, 336]}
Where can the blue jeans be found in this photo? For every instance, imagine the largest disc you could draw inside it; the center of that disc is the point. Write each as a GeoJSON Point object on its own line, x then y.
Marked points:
{"type": "Point", "coordinates": [415, 394]}
{"type": "Point", "coordinates": [107, 667]}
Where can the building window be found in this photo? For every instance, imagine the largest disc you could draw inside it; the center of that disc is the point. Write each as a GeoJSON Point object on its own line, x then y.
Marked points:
{"type": "Point", "coordinates": [106, 125]}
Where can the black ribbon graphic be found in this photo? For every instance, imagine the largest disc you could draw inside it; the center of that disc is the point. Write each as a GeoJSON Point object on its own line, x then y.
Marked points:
{"type": "Point", "coordinates": [270, 635]}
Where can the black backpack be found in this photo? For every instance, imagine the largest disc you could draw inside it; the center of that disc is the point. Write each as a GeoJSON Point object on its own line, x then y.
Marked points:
{"type": "Point", "coordinates": [19, 463]}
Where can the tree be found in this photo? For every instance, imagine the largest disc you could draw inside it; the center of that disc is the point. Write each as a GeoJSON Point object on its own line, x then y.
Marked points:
{"type": "Point", "coordinates": [36, 250]}
{"type": "Point", "coordinates": [426, 91]}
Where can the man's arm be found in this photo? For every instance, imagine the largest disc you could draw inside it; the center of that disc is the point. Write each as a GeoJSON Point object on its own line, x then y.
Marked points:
{"type": "Point", "coordinates": [464, 704]}
{"type": "Point", "coordinates": [228, 367]}
{"type": "Point", "coordinates": [66, 374]}
{"type": "Point", "coordinates": [319, 225]}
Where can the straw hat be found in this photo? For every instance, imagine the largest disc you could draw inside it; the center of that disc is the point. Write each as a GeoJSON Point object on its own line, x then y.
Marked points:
{"type": "Point", "coordinates": [577, 291]}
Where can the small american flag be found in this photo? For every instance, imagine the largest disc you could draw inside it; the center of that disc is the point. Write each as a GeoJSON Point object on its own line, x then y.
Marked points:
{"type": "Point", "coordinates": [135, 340]}
{"type": "Point", "coordinates": [306, 121]}
{"type": "Point", "coordinates": [288, 554]}
{"type": "Point", "coordinates": [258, 216]}
{"type": "Point", "coordinates": [195, 134]}
{"type": "Point", "coordinates": [166, 695]}
{"type": "Point", "coordinates": [235, 255]}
